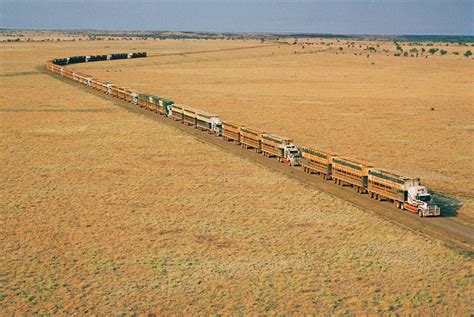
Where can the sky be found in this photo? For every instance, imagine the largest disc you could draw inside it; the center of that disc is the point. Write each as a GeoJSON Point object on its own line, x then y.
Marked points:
{"type": "Point", "coordinates": [442, 17]}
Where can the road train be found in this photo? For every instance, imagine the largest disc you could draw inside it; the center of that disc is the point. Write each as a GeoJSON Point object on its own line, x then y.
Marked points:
{"type": "Point", "coordinates": [404, 192]}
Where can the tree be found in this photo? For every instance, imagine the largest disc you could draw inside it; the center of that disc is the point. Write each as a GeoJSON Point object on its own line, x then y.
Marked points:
{"type": "Point", "coordinates": [433, 50]}
{"type": "Point", "coordinates": [443, 52]}
{"type": "Point", "coordinates": [468, 53]}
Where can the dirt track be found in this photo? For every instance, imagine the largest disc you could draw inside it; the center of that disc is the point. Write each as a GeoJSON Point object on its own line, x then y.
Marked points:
{"type": "Point", "coordinates": [447, 228]}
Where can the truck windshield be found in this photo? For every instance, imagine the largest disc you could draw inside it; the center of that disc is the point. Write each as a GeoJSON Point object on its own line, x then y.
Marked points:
{"type": "Point", "coordinates": [425, 198]}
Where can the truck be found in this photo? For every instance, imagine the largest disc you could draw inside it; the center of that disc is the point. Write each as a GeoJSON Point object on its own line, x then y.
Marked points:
{"type": "Point", "coordinates": [231, 131]}
{"type": "Point", "coordinates": [164, 105]}
{"type": "Point", "coordinates": [348, 171]}
{"type": "Point", "coordinates": [189, 116]}
{"type": "Point", "coordinates": [282, 148]}
{"type": "Point", "coordinates": [177, 112]}
{"type": "Point", "coordinates": [209, 122]}
{"type": "Point", "coordinates": [404, 192]}
{"type": "Point", "coordinates": [317, 160]}
{"type": "Point", "coordinates": [251, 139]}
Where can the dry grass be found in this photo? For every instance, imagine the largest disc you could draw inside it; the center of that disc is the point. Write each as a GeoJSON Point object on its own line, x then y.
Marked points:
{"type": "Point", "coordinates": [105, 211]}
{"type": "Point", "coordinates": [378, 109]}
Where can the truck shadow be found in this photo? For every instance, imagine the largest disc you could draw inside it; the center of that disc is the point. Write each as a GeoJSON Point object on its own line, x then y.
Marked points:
{"type": "Point", "coordinates": [449, 205]}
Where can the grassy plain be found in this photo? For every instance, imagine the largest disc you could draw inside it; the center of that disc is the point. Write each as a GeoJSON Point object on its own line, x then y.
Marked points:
{"type": "Point", "coordinates": [105, 211]}
{"type": "Point", "coordinates": [409, 114]}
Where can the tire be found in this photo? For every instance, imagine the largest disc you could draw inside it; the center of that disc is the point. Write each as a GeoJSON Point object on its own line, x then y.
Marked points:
{"type": "Point", "coordinates": [420, 214]}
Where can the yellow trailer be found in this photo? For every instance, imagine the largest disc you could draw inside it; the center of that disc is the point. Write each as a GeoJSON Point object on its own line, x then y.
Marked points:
{"type": "Point", "coordinates": [317, 160]}
{"type": "Point", "coordinates": [177, 112]}
{"type": "Point", "coordinates": [347, 171]}
{"type": "Point", "coordinates": [203, 120]}
{"type": "Point", "coordinates": [189, 116]}
{"type": "Point", "coordinates": [251, 138]}
{"type": "Point", "coordinates": [130, 95]}
{"type": "Point", "coordinates": [273, 145]}
{"type": "Point", "coordinates": [231, 131]}
{"type": "Point", "coordinates": [115, 91]}
{"type": "Point", "coordinates": [386, 185]}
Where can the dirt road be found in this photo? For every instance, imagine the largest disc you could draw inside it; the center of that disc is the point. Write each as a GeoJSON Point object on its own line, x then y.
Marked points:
{"type": "Point", "coordinates": [447, 228]}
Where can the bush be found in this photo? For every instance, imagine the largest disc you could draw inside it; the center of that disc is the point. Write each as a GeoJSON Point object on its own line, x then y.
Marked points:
{"type": "Point", "coordinates": [468, 53]}
{"type": "Point", "coordinates": [443, 52]}
{"type": "Point", "coordinates": [456, 53]}
{"type": "Point", "coordinates": [433, 50]}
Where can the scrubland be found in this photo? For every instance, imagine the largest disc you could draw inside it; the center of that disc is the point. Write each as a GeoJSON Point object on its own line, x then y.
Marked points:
{"type": "Point", "coordinates": [412, 115]}
{"type": "Point", "coordinates": [108, 212]}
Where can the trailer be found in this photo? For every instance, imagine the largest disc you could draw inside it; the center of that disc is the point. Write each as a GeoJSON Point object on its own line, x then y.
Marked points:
{"type": "Point", "coordinates": [129, 95]}
{"type": "Point", "coordinates": [347, 171]}
{"type": "Point", "coordinates": [121, 91]}
{"type": "Point", "coordinates": [115, 91]}
{"type": "Point", "coordinates": [177, 112]}
{"type": "Point", "coordinates": [189, 116]}
{"type": "Point", "coordinates": [251, 139]}
{"type": "Point", "coordinates": [231, 131]}
{"type": "Point", "coordinates": [95, 84]}
{"type": "Point", "coordinates": [104, 87]}
{"type": "Point", "coordinates": [317, 160]}
{"type": "Point", "coordinates": [282, 148]}
{"type": "Point", "coordinates": [404, 192]}
{"type": "Point", "coordinates": [76, 59]}
{"type": "Point", "coordinates": [117, 56]}
{"type": "Point", "coordinates": [208, 122]}
{"type": "Point", "coordinates": [143, 100]}
{"type": "Point", "coordinates": [137, 55]}
{"type": "Point", "coordinates": [67, 73]}
{"type": "Point", "coordinates": [153, 103]}
{"type": "Point", "coordinates": [60, 61]}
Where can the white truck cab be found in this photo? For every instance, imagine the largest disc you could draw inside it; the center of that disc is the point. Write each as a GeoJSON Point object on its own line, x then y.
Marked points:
{"type": "Point", "coordinates": [292, 155]}
{"type": "Point", "coordinates": [419, 200]}
{"type": "Point", "coordinates": [216, 126]}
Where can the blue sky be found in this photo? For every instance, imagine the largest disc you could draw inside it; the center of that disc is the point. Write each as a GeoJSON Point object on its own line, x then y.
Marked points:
{"type": "Point", "coordinates": [443, 17]}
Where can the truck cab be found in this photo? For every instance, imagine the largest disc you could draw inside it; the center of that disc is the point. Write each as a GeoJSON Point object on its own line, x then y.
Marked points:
{"type": "Point", "coordinates": [216, 126]}
{"type": "Point", "coordinates": [420, 201]}
{"type": "Point", "coordinates": [292, 155]}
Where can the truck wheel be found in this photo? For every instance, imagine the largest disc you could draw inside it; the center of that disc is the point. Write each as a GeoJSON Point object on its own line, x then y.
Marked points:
{"type": "Point", "coordinates": [420, 213]}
